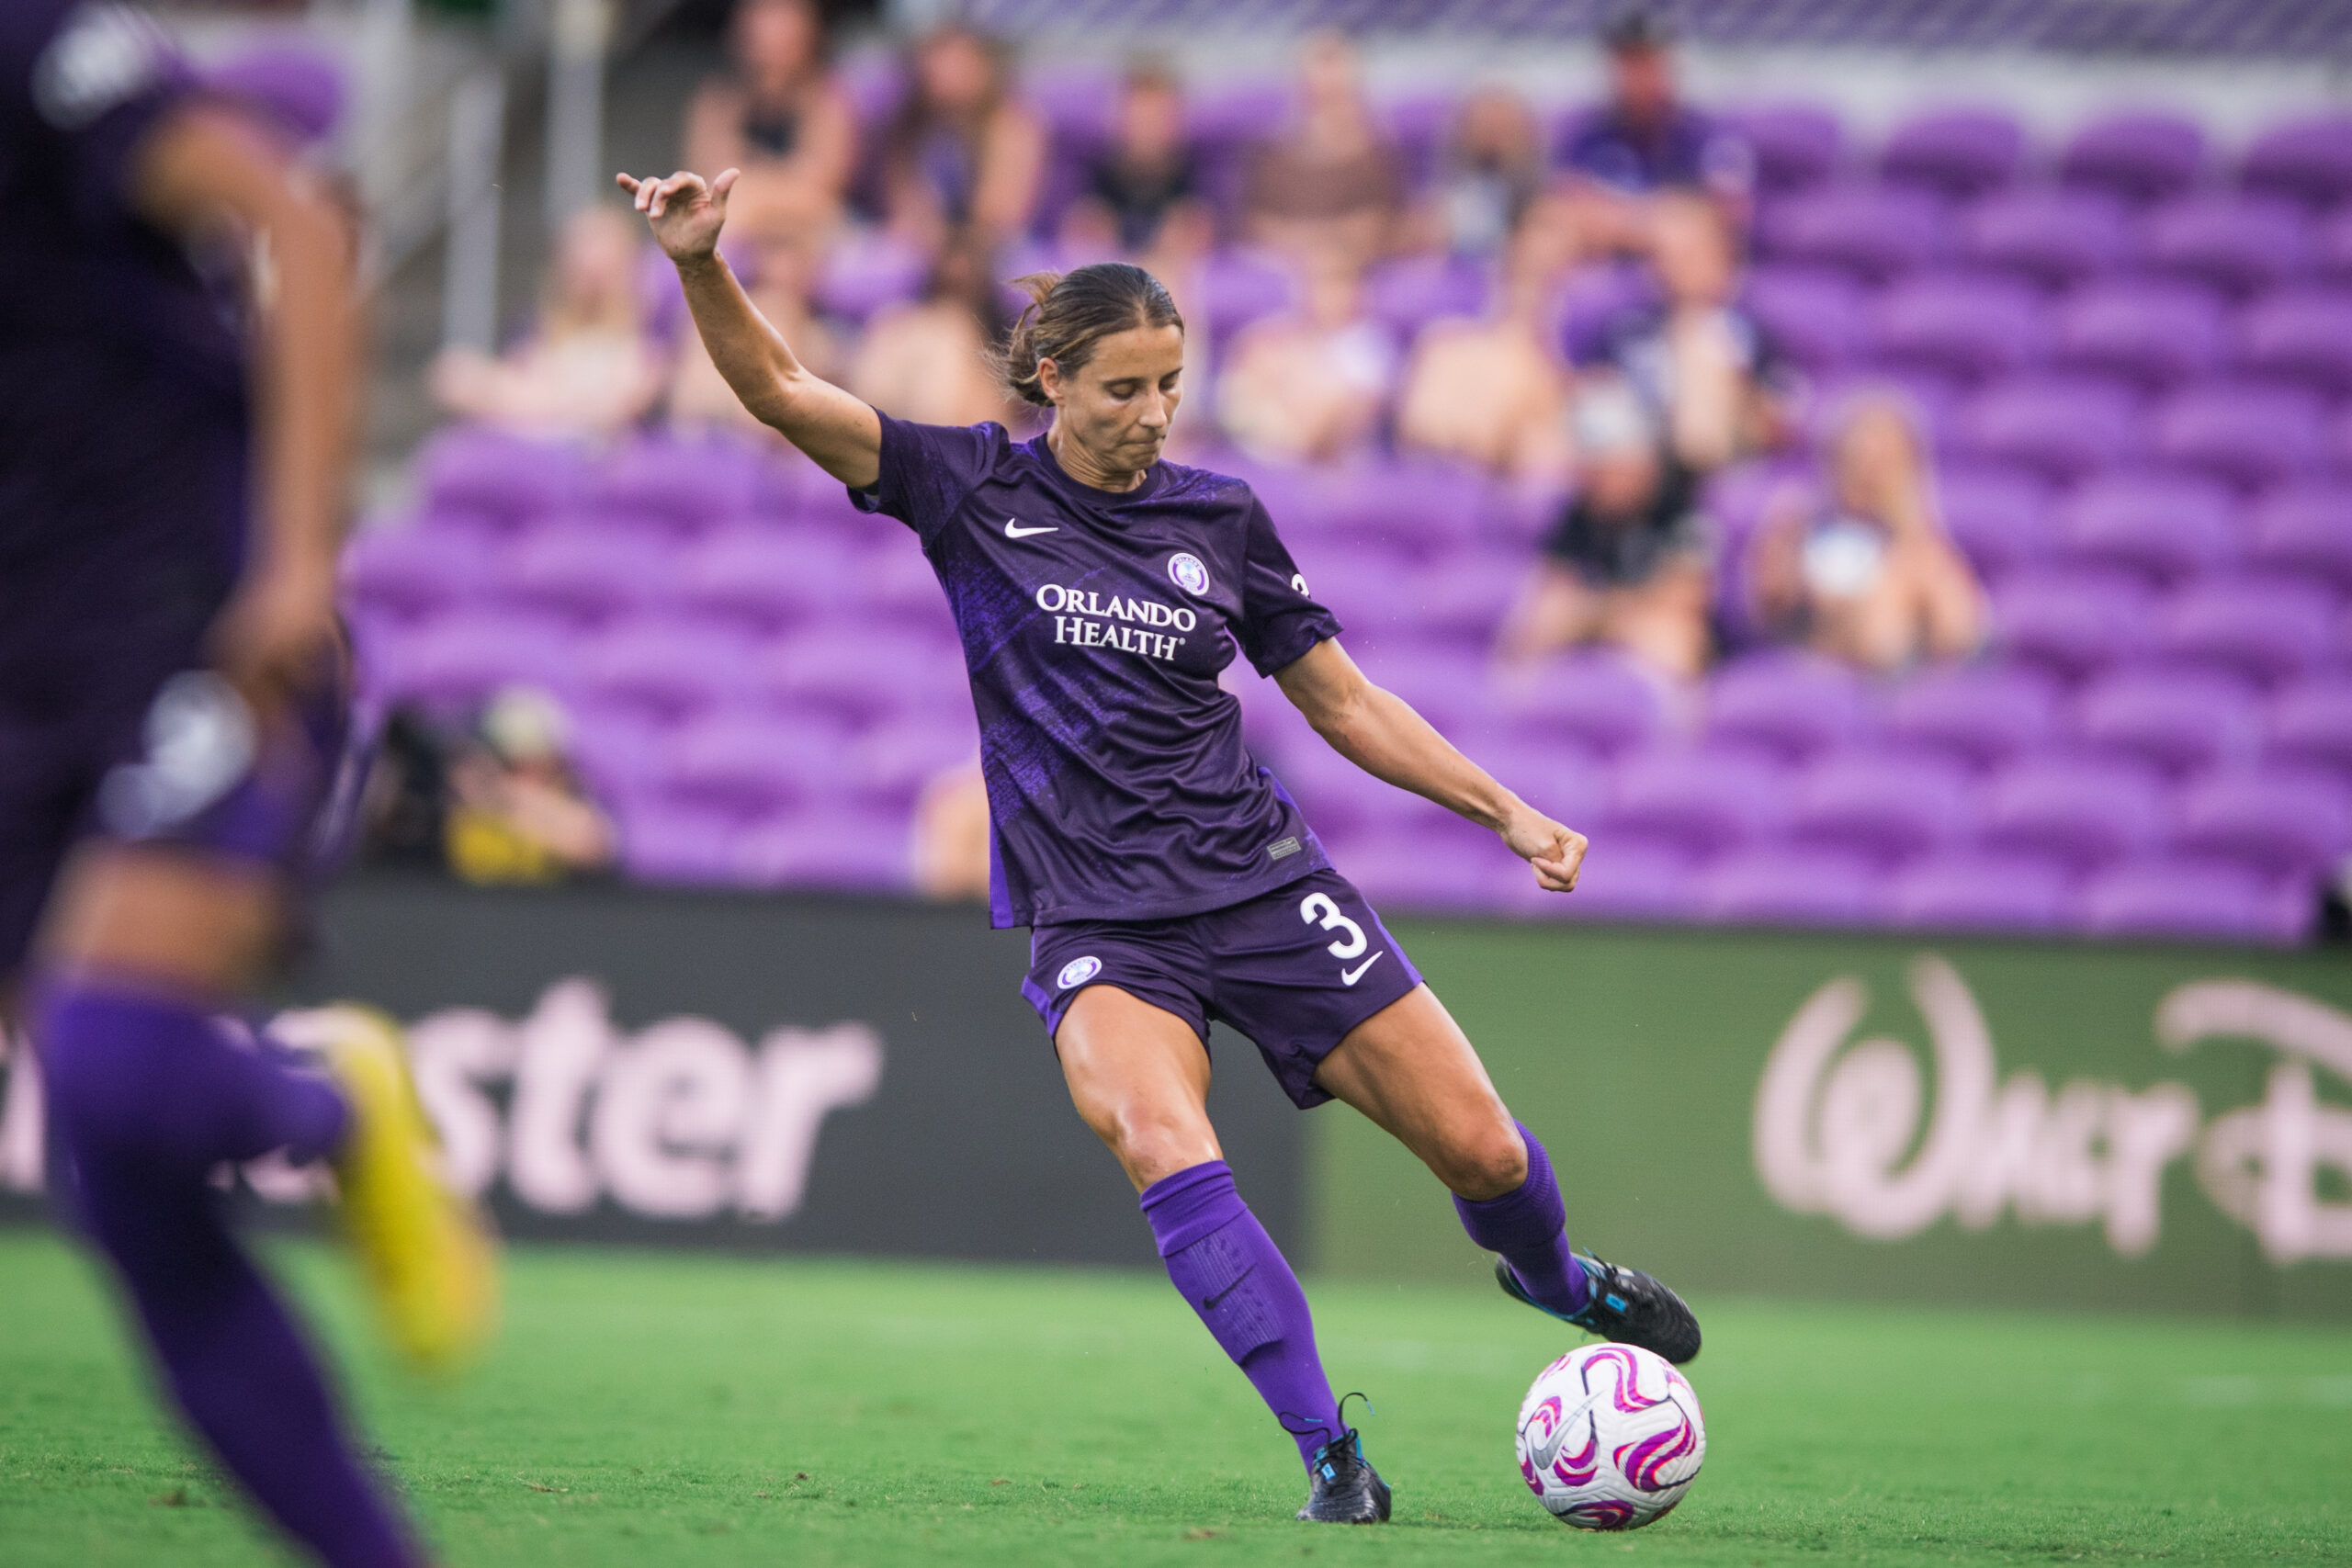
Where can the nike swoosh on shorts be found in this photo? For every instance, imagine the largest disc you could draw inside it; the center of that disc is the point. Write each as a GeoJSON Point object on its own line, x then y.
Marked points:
{"type": "Point", "coordinates": [1013, 530]}
{"type": "Point", "coordinates": [1350, 976]}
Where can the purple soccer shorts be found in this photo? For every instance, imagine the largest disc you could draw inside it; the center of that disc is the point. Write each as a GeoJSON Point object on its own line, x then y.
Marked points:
{"type": "Point", "coordinates": [1294, 970]}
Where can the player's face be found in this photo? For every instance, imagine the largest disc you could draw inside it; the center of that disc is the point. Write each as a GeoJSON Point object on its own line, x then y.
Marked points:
{"type": "Point", "coordinates": [1119, 404]}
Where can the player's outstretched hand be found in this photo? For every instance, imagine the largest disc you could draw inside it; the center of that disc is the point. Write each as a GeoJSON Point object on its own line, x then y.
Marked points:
{"type": "Point", "coordinates": [1556, 853]}
{"type": "Point", "coordinates": [685, 211]}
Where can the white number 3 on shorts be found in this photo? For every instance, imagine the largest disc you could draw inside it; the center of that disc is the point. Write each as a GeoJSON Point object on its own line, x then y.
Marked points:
{"type": "Point", "coordinates": [1319, 908]}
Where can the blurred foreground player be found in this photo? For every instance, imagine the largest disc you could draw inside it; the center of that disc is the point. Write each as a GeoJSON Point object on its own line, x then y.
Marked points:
{"type": "Point", "coordinates": [1167, 879]}
{"type": "Point", "coordinates": [172, 694]}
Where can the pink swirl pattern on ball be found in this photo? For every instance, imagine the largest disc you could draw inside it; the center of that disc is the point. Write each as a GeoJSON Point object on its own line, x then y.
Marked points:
{"type": "Point", "coordinates": [1578, 1469]}
{"type": "Point", "coordinates": [1641, 1461]}
{"type": "Point", "coordinates": [1603, 1514]}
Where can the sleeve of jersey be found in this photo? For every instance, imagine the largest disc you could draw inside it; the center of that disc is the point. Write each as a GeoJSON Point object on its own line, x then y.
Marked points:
{"type": "Point", "coordinates": [927, 470]}
{"type": "Point", "coordinates": [1280, 620]}
{"type": "Point", "coordinates": [96, 83]}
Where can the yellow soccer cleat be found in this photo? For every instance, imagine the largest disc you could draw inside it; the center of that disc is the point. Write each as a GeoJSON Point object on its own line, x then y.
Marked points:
{"type": "Point", "coordinates": [424, 1249]}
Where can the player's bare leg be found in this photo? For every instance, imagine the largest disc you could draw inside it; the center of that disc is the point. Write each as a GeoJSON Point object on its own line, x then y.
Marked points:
{"type": "Point", "coordinates": [1414, 1074]}
{"type": "Point", "coordinates": [1139, 1077]}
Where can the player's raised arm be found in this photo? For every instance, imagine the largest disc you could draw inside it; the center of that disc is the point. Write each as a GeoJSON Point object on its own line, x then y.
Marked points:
{"type": "Point", "coordinates": [204, 166]}
{"type": "Point", "coordinates": [1379, 732]}
{"type": "Point", "coordinates": [839, 432]}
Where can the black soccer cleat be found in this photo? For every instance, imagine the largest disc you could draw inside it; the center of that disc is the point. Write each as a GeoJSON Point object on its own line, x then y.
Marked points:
{"type": "Point", "coordinates": [1341, 1486]}
{"type": "Point", "coordinates": [1625, 1305]}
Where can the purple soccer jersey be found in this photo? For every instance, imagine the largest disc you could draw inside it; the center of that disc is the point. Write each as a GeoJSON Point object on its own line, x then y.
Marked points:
{"type": "Point", "coordinates": [1094, 628]}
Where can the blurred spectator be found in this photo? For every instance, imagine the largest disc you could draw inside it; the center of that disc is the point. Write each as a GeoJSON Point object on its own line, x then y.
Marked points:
{"type": "Point", "coordinates": [1494, 391]}
{"type": "Point", "coordinates": [778, 113]}
{"type": "Point", "coordinates": [403, 809]}
{"type": "Point", "coordinates": [1142, 192]}
{"type": "Point", "coordinates": [1707, 367]}
{"type": "Point", "coordinates": [779, 235]}
{"type": "Point", "coordinates": [927, 361]}
{"type": "Point", "coordinates": [1867, 574]}
{"type": "Point", "coordinates": [1629, 561]}
{"type": "Point", "coordinates": [963, 152]}
{"type": "Point", "coordinates": [1331, 181]}
{"type": "Point", "coordinates": [586, 368]}
{"type": "Point", "coordinates": [1493, 169]}
{"type": "Point", "coordinates": [1645, 140]}
{"type": "Point", "coordinates": [1309, 386]}
{"type": "Point", "coordinates": [516, 812]}
{"type": "Point", "coordinates": [950, 834]}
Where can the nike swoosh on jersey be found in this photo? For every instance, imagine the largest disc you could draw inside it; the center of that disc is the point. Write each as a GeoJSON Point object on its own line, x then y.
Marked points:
{"type": "Point", "coordinates": [1013, 530]}
{"type": "Point", "coordinates": [1350, 976]}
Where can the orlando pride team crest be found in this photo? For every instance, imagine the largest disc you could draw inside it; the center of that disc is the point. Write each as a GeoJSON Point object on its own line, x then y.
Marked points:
{"type": "Point", "coordinates": [1185, 571]}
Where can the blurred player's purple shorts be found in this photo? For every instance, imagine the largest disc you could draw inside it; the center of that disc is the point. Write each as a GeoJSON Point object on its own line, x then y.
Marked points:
{"type": "Point", "coordinates": [191, 770]}
{"type": "Point", "coordinates": [1294, 970]}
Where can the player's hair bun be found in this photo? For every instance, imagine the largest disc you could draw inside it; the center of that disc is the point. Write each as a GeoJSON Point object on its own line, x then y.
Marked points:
{"type": "Point", "coordinates": [1070, 312]}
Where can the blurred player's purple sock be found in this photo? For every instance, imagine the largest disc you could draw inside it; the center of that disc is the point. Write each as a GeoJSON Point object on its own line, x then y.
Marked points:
{"type": "Point", "coordinates": [1529, 1228]}
{"type": "Point", "coordinates": [1229, 1271]}
{"type": "Point", "coordinates": [146, 1098]}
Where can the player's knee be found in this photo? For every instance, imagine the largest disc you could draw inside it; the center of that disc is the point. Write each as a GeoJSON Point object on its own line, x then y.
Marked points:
{"type": "Point", "coordinates": [1152, 1147]}
{"type": "Point", "coordinates": [1487, 1161]}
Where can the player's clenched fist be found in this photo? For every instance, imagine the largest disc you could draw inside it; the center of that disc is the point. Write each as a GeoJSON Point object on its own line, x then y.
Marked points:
{"type": "Point", "coordinates": [1556, 853]}
{"type": "Point", "coordinates": [684, 211]}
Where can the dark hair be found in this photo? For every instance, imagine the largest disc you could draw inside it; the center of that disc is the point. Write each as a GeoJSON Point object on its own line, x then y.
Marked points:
{"type": "Point", "coordinates": [1070, 312]}
{"type": "Point", "coordinates": [1637, 29]}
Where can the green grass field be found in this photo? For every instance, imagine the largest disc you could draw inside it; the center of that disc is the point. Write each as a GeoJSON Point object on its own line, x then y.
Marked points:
{"type": "Point", "coordinates": [654, 1409]}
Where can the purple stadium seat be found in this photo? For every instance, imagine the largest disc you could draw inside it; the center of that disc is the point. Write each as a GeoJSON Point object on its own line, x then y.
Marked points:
{"type": "Point", "coordinates": [2308, 161]}
{"type": "Point", "coordinates": [856, 673]}
{"type": "Point", "coordinates": [2278, 821]}
{"type": "Point", "coordinates": [2082, 811]}
{"type": "Point", "coordinates": [1795, 145]}
{"type": "Point", "coordinates": [1409, 294]}
{"type": "Point", "coordinates": [617, 750]}
{"type": "Point", "coordinates": [2247, 433]}
{"type": "Point", "coordinates": [2055, 237]}
{"type": "Point", "coordinates": [1424, 508]}
{"type": "Point", "coordinates": [2299, 334]}
{"type": "Point", "coordinates": [2156, 332]}
{"type": "Point", "coordinates": [2263, 627]}
{"type": "Point", "coordinates": [2179, 717]}
{"type": "Point", "coordinates": [498, 479]}
{"type": "Point", "coordinates": [1998, 513]}
{"type": "Point", "coordinates": [1776, 884]}
{"type": "Point", "coordinates": [2309, 723]}
{"type": "Point", "coordinates": [1983, 713]}
{"type": "Point", "coordinates": [1816, 315]}
{"type": "Point", "coordinates": [895, 583]}
{"type": "Point", "coordinates": [2140, 157]}
{"type": "Point", "coordinates": [1875, 232]}
{"type": "Point", "coordinates": [1444, 682]}
{"type": "Point", "coordinates": [752, 764]}
{"type": "Point", "coordinates": [1594, 699]}
{"type": "Point", "coordinates": [1625, 877]}
{"type": "Point", "coordinates": [662, 843]}
{"type": "Point", "coordinates": [2160, 526]}
{"type": "Point", "coordinates": [2166, 897]}
{"type": "Point", "coordinates": [2238, 243]}
{"type": "Point", "coordinates": [2073, 619]}
{"type": "Point", "coordinates": [2333, 262]}
{"type": "Point", "coordinates": [2061, 426]}
{"type": "Point", "coordinates": [2307, 529]}
{"type": "Point", "coordinates": [1793, 705]}
{"type": "Point", "coordinates": [1698, 800]}
{"type": "Point", "coordinates": [1235, 288]}
{"type": "Point", "coordinates": [1971, 890]}
{"type": "Point", "coordinates": [417, 569]}
{"type": "Point", "coordinates": [458, 660]}
{"type": "Point", "coordinates": [686, 484]}
{"type": "Point", "coordinates": [584, 573]}
{"type": "Point", "coordinates": [1962, 324]}
{"type": "Point", "coordinates": [1884, 806]}
{"type": "Point", "coordinates": [1956, 152]}
{"type": "Point", "coordinates": [665, 668]}
{"type": "Point", "coordinates": [1435, 864]}
{"type": "Point", "coordinates": [865, 274]}
{"type": "Point", "coordinates": [841, 849]}
{"type": "Point", "coordinates": [764, 578]}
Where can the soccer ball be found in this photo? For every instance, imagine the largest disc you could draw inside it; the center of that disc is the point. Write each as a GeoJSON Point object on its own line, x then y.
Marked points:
{"type": "Point", "coordinates": [1611, 1437]}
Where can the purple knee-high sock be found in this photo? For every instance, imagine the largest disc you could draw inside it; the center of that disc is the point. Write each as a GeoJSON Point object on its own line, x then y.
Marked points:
{"type": "Point", "coordinates": [1528, 1227]}
{"type": "Point", "coordinates": [1229, 1271]}
{"type": "Point", "coordinates": [146, 1097]}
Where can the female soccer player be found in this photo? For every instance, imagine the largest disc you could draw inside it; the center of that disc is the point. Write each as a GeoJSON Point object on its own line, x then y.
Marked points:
{"type": "Point", "coordinates": [170, 715]}
{"type": "Point", "coordinates": [1168, 880]}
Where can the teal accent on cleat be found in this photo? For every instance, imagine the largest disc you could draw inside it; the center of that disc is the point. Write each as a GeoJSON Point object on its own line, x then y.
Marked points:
{"type": "Point", "coordinates": [1341, 1486]}
{"type": "Point", "coordinates": [1624, 1305]}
